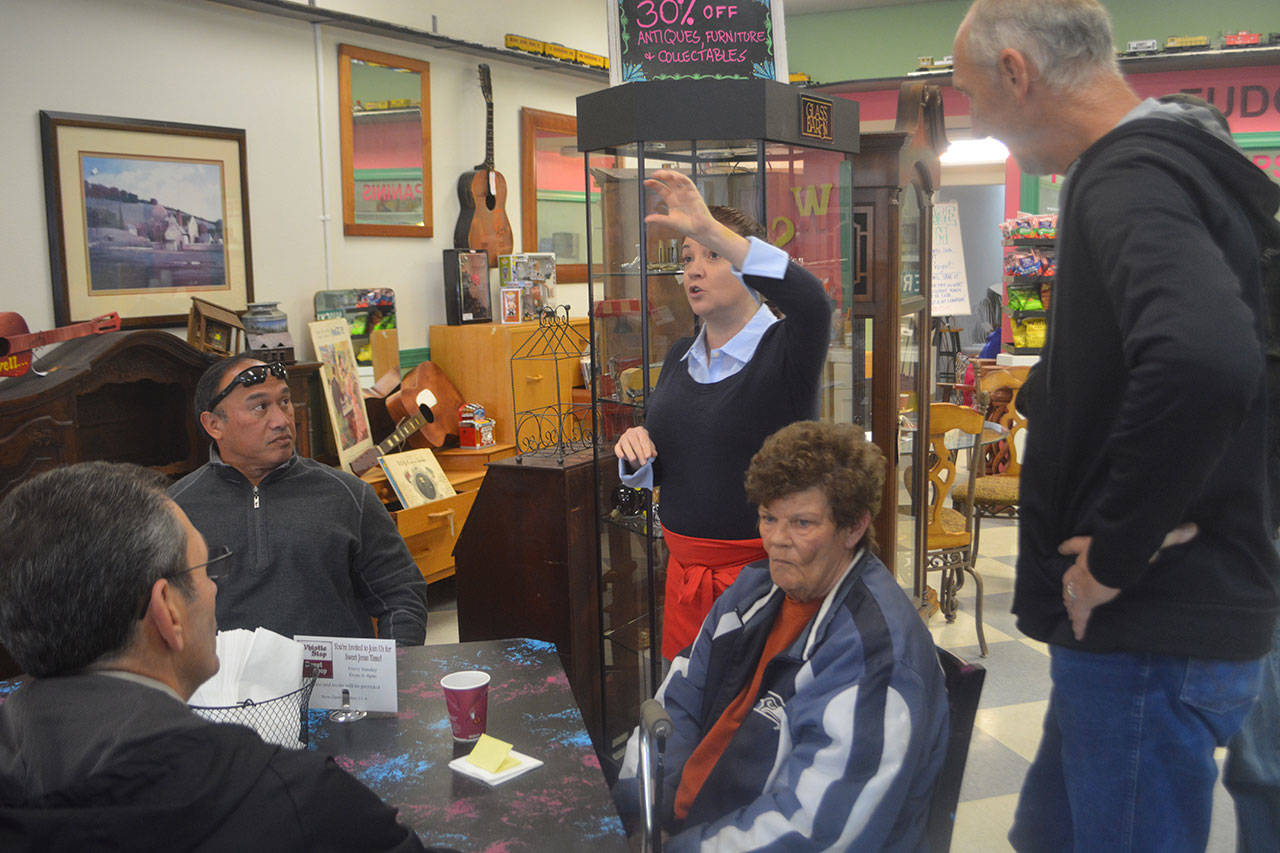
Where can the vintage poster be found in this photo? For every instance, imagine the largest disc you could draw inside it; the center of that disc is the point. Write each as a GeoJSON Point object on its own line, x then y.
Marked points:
{"type": "Point", "coordinates": [341, 382]}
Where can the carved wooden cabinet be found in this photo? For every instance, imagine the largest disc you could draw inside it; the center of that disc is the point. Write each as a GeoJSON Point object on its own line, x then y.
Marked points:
{"type": "Point", "coordinates": [119, 397]}
{"type": "Point", "coordinates": [896, 174]}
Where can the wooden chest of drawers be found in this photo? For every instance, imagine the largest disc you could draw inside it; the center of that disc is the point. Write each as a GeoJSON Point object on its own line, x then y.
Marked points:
{"type": "Point", "coordinates": [477, 359]}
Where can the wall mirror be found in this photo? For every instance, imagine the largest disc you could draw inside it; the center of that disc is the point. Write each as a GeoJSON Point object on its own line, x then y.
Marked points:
{"type": "Point", "coordinates": [385, 103]}
{"type": "Point", "coordinates": [552, 192]}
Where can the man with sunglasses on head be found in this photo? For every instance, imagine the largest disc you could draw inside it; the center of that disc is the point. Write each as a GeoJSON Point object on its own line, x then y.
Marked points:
{"type": "Point", "coordinates": [107, 603]}
{"type": "Point", "coordinates": [315, 551]}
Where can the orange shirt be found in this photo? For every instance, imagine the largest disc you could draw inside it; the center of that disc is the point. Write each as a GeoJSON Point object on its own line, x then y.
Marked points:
{"type": "Point", "coordinates": [790, 622]}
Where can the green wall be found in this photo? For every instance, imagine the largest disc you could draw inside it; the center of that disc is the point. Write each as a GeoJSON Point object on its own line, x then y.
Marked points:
{"type": "Point", "coordinates": [885, 41]}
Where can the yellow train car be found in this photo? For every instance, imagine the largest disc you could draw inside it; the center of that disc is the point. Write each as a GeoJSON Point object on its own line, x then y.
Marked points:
{"type": "Point", "coordinates": [558, 51]}
{"type": "Point", "coordinates": [1186, 43]}
{"type": "Point", "coordinates": [525, 44]}
{"type": "Point", "coordinates": [591, 60]}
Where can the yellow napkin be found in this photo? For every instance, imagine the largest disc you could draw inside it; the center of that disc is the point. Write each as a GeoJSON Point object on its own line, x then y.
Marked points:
{"type": "Point", "coordinates": [492, 755]}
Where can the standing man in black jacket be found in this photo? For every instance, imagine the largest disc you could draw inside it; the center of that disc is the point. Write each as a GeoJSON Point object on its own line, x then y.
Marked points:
{"type": "Point", "coordinates": [1144, 554]}
{"type": "Point", "coordinates": [106, 598]}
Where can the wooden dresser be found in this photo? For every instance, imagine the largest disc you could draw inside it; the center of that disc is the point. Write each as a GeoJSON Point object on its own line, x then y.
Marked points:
{"type": "Point", "coordinates": [477, 359]}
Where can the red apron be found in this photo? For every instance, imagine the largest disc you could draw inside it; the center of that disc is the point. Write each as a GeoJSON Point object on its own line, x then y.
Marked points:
{"type": "Point", "coordinates": [698, 571]}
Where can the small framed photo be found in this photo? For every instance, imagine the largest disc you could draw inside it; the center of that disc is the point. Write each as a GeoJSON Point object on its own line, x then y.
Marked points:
{"type": "Point", "coordinates": [511, 304]}
{"type": "Point", "coordinates": [466, 287]}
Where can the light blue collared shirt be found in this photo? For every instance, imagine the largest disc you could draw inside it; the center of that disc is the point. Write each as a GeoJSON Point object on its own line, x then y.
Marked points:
{"type": "Point", "coordinates": [733, 356]}
{"type": "Point", "coordinates": [762, 260]}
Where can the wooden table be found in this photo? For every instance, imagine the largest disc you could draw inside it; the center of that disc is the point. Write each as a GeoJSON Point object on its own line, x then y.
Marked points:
{"type": "Point", "coordinates": [563, 805]}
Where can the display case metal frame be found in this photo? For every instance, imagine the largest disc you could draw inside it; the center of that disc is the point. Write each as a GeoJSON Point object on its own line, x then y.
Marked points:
{"type": "Point", "coordinates": [727, 134]}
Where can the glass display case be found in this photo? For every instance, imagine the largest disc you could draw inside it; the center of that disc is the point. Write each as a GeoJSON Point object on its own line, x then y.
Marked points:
{"type": "Point", "coordinates": [745, 145]}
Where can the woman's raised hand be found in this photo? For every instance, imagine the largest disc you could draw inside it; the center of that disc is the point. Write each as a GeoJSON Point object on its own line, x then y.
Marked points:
{"type": "Point", "coordinates": [688, 214]}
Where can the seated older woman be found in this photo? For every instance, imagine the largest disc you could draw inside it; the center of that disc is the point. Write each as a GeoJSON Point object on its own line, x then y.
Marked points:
{"type": "Point", "coordinates": [810, 712]}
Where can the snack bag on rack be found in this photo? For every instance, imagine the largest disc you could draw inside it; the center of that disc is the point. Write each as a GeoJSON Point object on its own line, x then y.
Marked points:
{"type": "Point", "coordinates": [1035, 331]}
{"type": "Point", "coordinates": [1048, 262]}
{"type": "Point", "coordinates": [1019, 335]}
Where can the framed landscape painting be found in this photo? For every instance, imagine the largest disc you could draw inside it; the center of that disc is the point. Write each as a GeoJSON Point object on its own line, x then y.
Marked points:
{"type": "Point", "coordinates": [142, 216]}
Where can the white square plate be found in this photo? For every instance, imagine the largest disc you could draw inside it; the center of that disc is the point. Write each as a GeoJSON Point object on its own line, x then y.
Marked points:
{"type": "Point", "coordinates": [466, 768]}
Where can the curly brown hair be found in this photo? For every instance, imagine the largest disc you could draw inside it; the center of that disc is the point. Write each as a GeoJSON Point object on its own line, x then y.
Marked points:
{"type": "Point", "coordinates": [835, 458]}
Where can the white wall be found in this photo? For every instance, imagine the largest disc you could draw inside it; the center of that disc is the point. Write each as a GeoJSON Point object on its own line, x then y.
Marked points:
{"type": "Point", "coordinates": [199, 62]}
{"type": "Point", "coordinates": [576, 23]}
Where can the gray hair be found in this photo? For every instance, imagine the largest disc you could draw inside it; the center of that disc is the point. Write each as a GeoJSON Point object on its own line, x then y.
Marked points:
{"type": "Point", "coordinates": [80, 549]}
{"type": "Point", "coordinates": [1068, 41]}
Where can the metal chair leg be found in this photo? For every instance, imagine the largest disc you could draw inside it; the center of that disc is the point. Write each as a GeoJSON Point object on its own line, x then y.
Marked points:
{"type": "Point", "coordinates": [947, 595]}
{"type": "Point", "coordinates": [977, 532]}
{"type": "Point", "coordinates": [977, 607]}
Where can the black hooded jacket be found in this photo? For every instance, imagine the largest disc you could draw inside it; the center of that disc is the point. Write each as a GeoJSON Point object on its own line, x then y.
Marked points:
{"type": "Point", "coordinates": [1148, 408]}
{"type": "Point", "coordinates": [93, 762]}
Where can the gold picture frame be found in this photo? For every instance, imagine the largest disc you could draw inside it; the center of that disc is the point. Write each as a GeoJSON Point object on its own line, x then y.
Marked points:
{"type": "Point", "coordinates": [385, 104]}
{"type": "Point", "coordinates": [143, 215]}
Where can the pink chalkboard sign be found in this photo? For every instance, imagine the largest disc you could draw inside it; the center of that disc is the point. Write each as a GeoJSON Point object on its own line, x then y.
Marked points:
{"type": "Point", "coordinates": [694, 40]}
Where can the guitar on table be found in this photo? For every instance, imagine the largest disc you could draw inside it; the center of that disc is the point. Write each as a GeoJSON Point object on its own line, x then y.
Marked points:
{"type": "Point", "coordinates": [426, 408]}
{"type": "Point", "coordinates": [16, 342]}
{"type": "Point", "coordinates": [483, 223]}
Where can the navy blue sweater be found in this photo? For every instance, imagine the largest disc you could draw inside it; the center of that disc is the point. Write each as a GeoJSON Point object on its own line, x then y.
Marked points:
{"type": "Point", "coordinates": [706, 434]}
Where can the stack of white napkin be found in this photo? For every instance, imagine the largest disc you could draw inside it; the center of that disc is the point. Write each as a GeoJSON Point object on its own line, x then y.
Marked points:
{"type": "Point", "coordinates": [258, 665]}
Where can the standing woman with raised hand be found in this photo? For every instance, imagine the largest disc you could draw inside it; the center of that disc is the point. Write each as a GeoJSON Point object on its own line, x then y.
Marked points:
{"type": "Point", "coordinates": [745, 375]}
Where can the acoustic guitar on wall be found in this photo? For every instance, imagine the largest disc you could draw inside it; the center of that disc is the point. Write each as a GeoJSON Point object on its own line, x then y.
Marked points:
{"type": "Point", "coordinates": [482, 191]}
{"type": "Point", "coordinates": [16, 342]}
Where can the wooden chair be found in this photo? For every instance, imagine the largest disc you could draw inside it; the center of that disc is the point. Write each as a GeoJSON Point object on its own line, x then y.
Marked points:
{"type": "Point", "coordinates": [995, 495]}
{"type": "Point", "coordinates": [964, 689]}
{"type": "Point", "coordinates": [949, 538]}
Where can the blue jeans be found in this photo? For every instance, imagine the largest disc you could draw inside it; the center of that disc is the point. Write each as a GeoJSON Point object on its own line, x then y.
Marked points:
{"type": "Point", "coordinates": [1252, 771]}
{"type": "Point", "coordinates": [1126, 760]}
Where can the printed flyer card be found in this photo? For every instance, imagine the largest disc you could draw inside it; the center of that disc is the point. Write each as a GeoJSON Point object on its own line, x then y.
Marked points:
{"type": "Point", "coordinates": [366, 668]}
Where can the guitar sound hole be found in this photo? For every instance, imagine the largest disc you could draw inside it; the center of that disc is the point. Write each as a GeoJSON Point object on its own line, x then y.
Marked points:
{"type": "Point", "coordinates": [428, 414]}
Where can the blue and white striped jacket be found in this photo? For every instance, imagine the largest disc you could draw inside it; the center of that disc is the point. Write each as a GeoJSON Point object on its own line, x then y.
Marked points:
{"type": "Point", "coordinates": [847, 735]}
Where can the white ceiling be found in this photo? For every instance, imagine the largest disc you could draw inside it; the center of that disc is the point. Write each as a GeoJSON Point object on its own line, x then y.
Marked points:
{"type": "Point", "coordinates": [803, 7]}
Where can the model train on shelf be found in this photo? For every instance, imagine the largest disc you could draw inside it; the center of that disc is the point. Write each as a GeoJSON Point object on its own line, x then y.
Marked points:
{"type": "Point", "coordinates": [553, 50]}
{"type": "Point", "coordinates": [1176, 44]}
{"type": "Point", "coordinates": [927, 63]}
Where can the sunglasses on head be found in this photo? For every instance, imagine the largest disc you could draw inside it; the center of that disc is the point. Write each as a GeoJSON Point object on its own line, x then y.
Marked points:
{"type": "Point", "coordinates": [254, 375]}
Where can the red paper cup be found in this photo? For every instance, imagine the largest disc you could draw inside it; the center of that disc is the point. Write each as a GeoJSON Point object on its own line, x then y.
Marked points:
{"type": "Point", "coordinates": [467, 695]}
